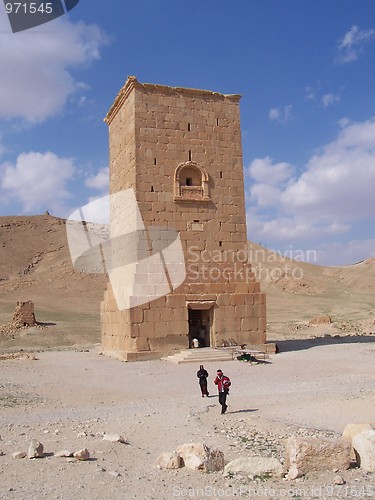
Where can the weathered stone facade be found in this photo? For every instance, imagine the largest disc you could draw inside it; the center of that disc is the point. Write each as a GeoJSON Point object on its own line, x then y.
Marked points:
{"type": "Point", "coordinates": [24, 314]}
{"type": "Point", "coordinates": [180, 151]}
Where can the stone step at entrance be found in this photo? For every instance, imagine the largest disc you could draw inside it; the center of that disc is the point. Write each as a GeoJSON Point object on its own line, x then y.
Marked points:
{"type": "Point", "coordinates": [201, 355]}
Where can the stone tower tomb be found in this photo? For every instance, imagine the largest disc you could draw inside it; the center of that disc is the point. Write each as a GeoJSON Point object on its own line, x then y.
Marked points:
{"type": "Point", "coordinates": [179, 150]}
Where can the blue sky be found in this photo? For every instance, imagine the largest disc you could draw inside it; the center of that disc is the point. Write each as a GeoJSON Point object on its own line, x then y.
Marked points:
{"type": "Point", "coordinates": [306, 74]}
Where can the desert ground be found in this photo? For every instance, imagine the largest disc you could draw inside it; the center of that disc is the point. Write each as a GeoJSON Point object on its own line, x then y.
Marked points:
{"type": "Point", "coordinates": [69, 396]}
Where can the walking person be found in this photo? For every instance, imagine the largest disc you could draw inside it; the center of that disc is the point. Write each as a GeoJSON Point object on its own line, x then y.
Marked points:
{"type": "Point", "coordinates": [202, 375]}
{"type": "Point", "coordinates": [223, 383]}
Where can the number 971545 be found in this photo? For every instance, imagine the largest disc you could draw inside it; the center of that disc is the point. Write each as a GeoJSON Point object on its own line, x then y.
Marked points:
{"type": "Point", "coordinates": [29, 8]}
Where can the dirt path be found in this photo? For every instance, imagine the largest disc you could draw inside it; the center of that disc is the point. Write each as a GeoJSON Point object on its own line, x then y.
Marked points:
{"type": "Point", "coordinates": [315, 390]}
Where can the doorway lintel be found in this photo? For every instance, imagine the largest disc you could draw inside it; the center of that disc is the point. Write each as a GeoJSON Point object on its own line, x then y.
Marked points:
{"type": "Point", "coordinates": [202, 305]}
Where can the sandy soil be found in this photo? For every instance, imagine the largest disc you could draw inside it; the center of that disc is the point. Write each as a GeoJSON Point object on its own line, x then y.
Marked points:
{"type": "Point", "coordinates": [313, 387]}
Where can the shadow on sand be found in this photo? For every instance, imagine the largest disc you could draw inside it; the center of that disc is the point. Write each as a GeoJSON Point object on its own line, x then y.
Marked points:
{"type": "Point", "coordinates": [300, 344]}
{"type": "Point", "coordinates": [243, 411]}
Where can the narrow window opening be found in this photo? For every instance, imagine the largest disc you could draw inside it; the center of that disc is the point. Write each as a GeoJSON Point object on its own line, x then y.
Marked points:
{"type": "Point", "coordinates": [196, 220]}
{"type": "Point", "coordinates": [217, 122]}
{"type": "Point", "coordinates": [189, 181]}
{"type": "Point", "coordinates": [154, 161]}
{"type": "Point", "coordinates": [189, 155]}
{"type": "Point", "coordinates": [220, 243]}
{"type": "Point", "coordinates": [152, 189]}
{"type": "Point", "coordinates": [189, 127]}
{"type": "Point", "coordinates": [221, 175]}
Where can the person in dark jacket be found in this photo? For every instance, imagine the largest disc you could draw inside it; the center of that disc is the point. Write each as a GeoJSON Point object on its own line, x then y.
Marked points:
{"type": "Point", "coordinates": [223, 383]}
{"type": "Point", "coordinates": [202, 375]}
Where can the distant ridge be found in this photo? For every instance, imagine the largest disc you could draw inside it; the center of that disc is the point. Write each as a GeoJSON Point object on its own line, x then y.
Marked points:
{"type": "Point", "coordinates": [35, 265]}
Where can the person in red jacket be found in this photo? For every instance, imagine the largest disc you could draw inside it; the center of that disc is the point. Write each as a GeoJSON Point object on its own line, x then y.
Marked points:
{"type": "Point", "coordinates": [223, 383]}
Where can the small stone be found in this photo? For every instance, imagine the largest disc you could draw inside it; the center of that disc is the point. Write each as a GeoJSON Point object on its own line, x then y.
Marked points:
{"type": "Point", "coordinates": [115, 438]}
{"type": "Point", "coordinates": [82, 454]}
{"type": "Point", "coordinates": [64, 453]}
{"type": "Point", "coordinates": [193, 462]}
{"type": "Point", "coordinates": [211, 460]}
{"type": "Point", "coordinates": [35, 449]}
{"type": "Point", "coordinates": [114, 473]}
{"type": "Point", "coordinates": [19, 454]}
{"type": "Point", "coordinates": [338, 480]}
{"type": "Point", "coordinates": [293, 473]}
{"type": "Point", "coordinates": [169, 460]}
{"type": "Point", "coordinates": [81, 434]}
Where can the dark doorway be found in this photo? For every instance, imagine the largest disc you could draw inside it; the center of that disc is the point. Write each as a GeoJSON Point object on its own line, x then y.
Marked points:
{"type": "Point", "coordinates": [199, 327]}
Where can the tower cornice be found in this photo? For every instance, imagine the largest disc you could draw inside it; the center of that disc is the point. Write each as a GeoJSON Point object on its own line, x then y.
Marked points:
{"type": "Point", "coordinates": [132, 83]}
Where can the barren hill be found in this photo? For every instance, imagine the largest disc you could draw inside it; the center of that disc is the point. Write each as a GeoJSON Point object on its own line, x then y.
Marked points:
{"type": "Point", "coordinates": [35, 265]}
{"type": "Point", "coordinates": [298, 291]}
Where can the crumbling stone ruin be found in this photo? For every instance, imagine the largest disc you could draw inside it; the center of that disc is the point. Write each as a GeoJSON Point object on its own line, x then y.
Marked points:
{"type": "Point", "coordinates": [180, 151]}
{"type": "Point", "coordinates": [23, 316]}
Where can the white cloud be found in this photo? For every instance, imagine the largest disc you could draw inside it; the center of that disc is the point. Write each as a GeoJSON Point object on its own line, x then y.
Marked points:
{"type": "Point", "coordinates": [336, 182]}
{"type": "Point", "coordinates": [36, 81]}
{"type": "Point", "coordinates": [310, 93]}
{"type": "Point", "coordinates": [291, 228]}
{"type": "Point", "coordinates": [281, 115]}
{"type": "Point", "coordinates": [265, 195]}
{"type": "Point", "coordinates": [337, 228]}
{"type": "Point", "coordinates": [264, 171]}
{"type": "Point", "coordinates": [324, 99]}
{"type": "Point", "coordinates": [37, 181]}
{"type": "Point", "coordinates": [268, 177]}
{"type": "Point", "coordinates": [352, 44]}
{"type": "Point", "coordinates": [344, 122]}
{"type": "Point", "coordinates": [99, 181]}
{"type": "Point", "coordinates": [349, 252]}
{"type": "Point", "coordinates": [329, 99]}
{"type": "Point", "coordinates": [332, 195]}
{"type": "Point", "coordinates": [279, 228]}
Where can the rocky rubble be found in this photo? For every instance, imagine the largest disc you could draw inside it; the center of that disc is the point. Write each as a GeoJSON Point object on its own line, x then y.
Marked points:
{"type": "Point", "coordinates": [193, 456]}
{"type": "Point", "coordinates": [298, 451]}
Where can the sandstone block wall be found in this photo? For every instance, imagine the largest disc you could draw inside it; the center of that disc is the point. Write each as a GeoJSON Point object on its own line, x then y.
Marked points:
{"type": "Point", "coordinates": [180, 151]}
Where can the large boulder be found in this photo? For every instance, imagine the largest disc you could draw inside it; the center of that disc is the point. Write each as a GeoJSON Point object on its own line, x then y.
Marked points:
{"type": "Point", "coordinates": [315, 454]}
{"type": "Point", "coordinates": [364, 447]}
{"type": "Point", "coordinates": [169, 460]}
{"type": "Point", "coordinates": [352, 430]}
{"type": "Point", "coordinates": [255, 466]}
{"type": "Point", "coordinates": [210, 460]}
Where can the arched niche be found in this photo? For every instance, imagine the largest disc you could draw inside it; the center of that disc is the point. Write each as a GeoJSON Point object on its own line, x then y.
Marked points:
{"type": "Point", "coordinates": [191, 182]}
